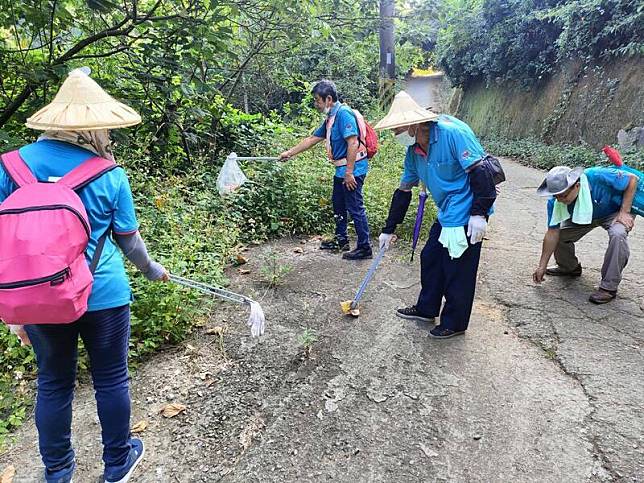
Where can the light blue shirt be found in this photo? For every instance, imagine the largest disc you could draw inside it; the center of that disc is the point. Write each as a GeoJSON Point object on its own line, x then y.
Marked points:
{"type": "Point", "coordinates": [607, 186]}
{"type": "Point", "coordinates": [108, 201]}
{"type": "Point", "coordinates": [453, 148]}
{"type": "Point", "coordinates": [344, 126]}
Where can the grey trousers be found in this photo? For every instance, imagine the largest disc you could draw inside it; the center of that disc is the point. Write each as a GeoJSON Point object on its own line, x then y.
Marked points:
{"type": "Point", "coordinates": [615, 258]}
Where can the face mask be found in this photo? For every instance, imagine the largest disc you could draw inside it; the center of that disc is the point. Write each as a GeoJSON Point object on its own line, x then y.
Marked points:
{"type": "Point", "coordinates": [405, 138]}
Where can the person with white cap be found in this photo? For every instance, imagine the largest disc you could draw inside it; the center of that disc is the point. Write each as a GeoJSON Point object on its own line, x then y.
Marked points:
{"type": "Point", "coordinates": [76, 128]}
{"type": "Point", "coordinates": [580, 201]}
{"type": "Point", "coordinates": [446, 156]}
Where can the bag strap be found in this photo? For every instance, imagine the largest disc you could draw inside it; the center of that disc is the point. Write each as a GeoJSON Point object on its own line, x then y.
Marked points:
{"type": "Point", "coordinates": [86, 172]}
{"type": "Point", "coordinates": [17, 169]}
{"type": "Point", "coordinates": [360, 130]}
{"type": "Point", "coordinates": [99, 250]}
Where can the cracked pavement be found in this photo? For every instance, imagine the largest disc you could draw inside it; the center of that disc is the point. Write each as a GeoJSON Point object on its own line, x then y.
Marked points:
{"type": "Point", "coordinates": [599, 347]}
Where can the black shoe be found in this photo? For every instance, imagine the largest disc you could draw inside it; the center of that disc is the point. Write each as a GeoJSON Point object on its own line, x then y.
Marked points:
{"type": "Point", "coordinates": [358, 254]}
{"type": "Point", "coordinates": [603, 296]}
{"type": "Point", "coordinates": [559, 272]}
{"type": "Point", "coordinates": [411, 313]}
{"type": "Point", "coordinates": [335, 244]}
{"type": "Point", "coordinates": [439, 332]}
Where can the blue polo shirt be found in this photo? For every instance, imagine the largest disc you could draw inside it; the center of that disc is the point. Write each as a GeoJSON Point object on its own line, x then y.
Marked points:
{"type": "Point", "coordinates": [453, 148]}
{"type": "Point", "coordinates": [344, 126]}
{"type": "Point", "coordinates": [108, 201]}
{"type": "Point", "coordinates": [607, 186]}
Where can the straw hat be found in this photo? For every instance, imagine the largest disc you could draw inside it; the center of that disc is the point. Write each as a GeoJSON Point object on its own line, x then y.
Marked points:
{"type": "Point", "coordinates": [82, 105]}
{"type": "Point", "coordinates": [404, 111]}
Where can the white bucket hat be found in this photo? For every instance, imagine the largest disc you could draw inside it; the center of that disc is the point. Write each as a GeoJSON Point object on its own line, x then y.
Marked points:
{"type": "Point", "coordinates": [404, 111]}
{"type": "Point", "coordinates": [82, 105]}
{"type": "Point", "coordinates": [558, 180]}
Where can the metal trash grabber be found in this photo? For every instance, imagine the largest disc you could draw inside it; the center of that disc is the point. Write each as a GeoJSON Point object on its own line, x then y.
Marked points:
{"type": "Point", "coordinates": [231, 176]}
{"type": "Point", "coordinates": [256, 320]}
{"type": "Point", "coordinates": [350, 307]}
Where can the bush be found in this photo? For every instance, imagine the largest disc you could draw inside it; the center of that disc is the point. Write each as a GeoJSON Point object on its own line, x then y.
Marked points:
{"type": "Point", "coordinates": [545, 156]}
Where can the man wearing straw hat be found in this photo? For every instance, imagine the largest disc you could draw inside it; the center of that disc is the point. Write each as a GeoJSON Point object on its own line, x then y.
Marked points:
{"type": "Point", "coordinates": [341, 130]}
{"type": "Point", "coordinates": [445, 155]}
{"type": "Point", "coordinates": [75, 126]}
{"type": "Point", "coordinates": [580, 201]}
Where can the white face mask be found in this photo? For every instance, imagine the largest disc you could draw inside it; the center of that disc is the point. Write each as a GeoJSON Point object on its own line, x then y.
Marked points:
{"type": "Point", "coordinates": [406, 139]}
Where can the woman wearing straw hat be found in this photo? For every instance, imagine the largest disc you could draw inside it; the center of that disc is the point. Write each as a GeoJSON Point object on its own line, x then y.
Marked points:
{"type": "Point", "coordinates": [75, 129]}
{"type": "Point", "coordinates": [445, 155]}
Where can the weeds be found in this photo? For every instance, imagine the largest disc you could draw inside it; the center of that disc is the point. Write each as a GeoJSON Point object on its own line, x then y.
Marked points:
{"type": "Point", "coordinates": [273, 270]}
{"type": "Point", "coordinates": [307, 339]}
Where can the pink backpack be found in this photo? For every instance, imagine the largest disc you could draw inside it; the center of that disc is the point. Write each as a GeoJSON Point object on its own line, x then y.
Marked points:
{"type": "Point", "coordinates": [44, 232]}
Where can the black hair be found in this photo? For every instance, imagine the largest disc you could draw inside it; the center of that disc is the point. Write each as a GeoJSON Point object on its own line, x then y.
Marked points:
{"type": "Point", "coordinates": [325, 88]}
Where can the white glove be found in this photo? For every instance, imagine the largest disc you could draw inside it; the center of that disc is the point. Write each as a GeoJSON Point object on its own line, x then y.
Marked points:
{"type": "Point", "coordinates": [19, 331]}
{"type": "Point", "coordinates": [476, 228]}
{"type": "Point", "coordinates": [385, 240]}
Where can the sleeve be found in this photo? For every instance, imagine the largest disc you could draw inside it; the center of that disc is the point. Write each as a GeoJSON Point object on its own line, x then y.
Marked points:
{"type": "Point", "coordinates": [550, 206]}
{"type": "Point", "coordinates": [124, 220]}
{"type": "Point", "coordinates": [483, 189]}
{"type": "Point", "coordinates": [615, 178]}
{"type": "Point", "coordinates": [346, 121]}
{"type": "Point", "coordinates": [6, 185]}
{"type": "Point", "coordinates": [464, 148]}
{"type": "Point", "coordinates": [409, 177]}
{"type": "Point", "coordinates": [320, 132]}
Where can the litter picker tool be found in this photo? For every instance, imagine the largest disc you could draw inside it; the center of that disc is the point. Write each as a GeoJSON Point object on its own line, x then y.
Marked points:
{"type": "Point", "coordinates": [231, 176]}
{"type": "Point", "coordinates": [256, 320]}
{"type": "Point", "coordinates": [350, 307]}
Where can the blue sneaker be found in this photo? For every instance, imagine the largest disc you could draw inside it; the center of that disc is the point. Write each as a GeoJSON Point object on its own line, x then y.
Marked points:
{"type": "Point", "coordinates": [61, 476]}
{"type": "Point", "coordinates": [133, 459]}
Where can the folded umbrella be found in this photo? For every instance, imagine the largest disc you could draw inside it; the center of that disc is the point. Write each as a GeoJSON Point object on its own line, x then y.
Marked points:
{"type": "Point", "coordinates": [422, 198]}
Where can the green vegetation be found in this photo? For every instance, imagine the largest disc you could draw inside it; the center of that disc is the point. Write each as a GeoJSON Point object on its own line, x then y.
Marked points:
{"type": "Point", "coordinates": [524, 40]}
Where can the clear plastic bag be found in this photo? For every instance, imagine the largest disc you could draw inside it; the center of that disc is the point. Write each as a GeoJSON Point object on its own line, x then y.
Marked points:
{"type": "Point", "coordinates": [231, 177]}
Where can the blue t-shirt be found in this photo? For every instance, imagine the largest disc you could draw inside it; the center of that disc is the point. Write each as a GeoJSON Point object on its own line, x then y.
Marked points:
{"type": "Point", "coordinates": [607, 186]}
{"type": "Point", "coordinates": [453, 148]}
{"type": "Point", "coordinates": [108, 201]}
{"type": "Point", "coordinates": [344, 126]}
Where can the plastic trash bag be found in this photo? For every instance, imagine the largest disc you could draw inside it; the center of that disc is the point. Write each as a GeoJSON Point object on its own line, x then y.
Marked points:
{"type": "Point", "coordinates": [256, 321]}
{"type": "Point", "coordinates": [231, 177]}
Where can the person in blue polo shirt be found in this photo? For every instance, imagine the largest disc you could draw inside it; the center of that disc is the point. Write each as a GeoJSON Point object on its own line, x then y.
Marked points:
{"type": "Point", "coordinates": [348, 154]}
{"type": "Point", "coordinates": [446, 156]}
{"type": "Point", "coordinates": [580, 201]}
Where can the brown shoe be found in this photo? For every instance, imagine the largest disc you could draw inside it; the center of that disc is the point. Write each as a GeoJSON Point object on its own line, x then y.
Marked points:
{"type": "Point", "coordinates": [602, 296]}
{"type": "Point", "coordinates": [559, 272]}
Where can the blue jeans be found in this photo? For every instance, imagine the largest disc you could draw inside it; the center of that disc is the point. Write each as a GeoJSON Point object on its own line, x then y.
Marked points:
{"type": "Point", "coordinates": [455, 279]}
{"type": "Point", "coordinates": [346, 203]}
{"type": "Point", "coordinates": [105, 334]}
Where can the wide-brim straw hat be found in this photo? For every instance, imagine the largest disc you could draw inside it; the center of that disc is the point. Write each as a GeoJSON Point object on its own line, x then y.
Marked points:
{"type": "Point", "coordinates": [82, 105]}
{"type": "Point", "coordinates": [404, 111]}
{"type": "Point", "coordinates": [558, 180]}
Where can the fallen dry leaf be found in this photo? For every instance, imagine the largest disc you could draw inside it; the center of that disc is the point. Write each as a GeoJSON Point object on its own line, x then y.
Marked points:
{"type": "Point", "coordinates": [243, 271]}
{"type": "Point", "coordinates": [172, 409]}
{"type": "Point", "coordinates": [217, 330]}
{"type": "Point", "coordinates": [139, 427]}
{"type": "Point", "coordinates": [251, 431]}
{"type": "Point", "coordinates": [298, 250]}
{"type": "Point", "coordinates": [8, 474]}
{"type": "Point", "coordinates": [241, 260]}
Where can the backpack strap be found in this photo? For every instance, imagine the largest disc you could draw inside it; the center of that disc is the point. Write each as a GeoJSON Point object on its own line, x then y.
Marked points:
{"type": "Point", "coordinates": [17, 169]}
{"type": "Point", "coordinates": [86, 172]}
{"type": "Point", "coordinates": [99, 250]}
